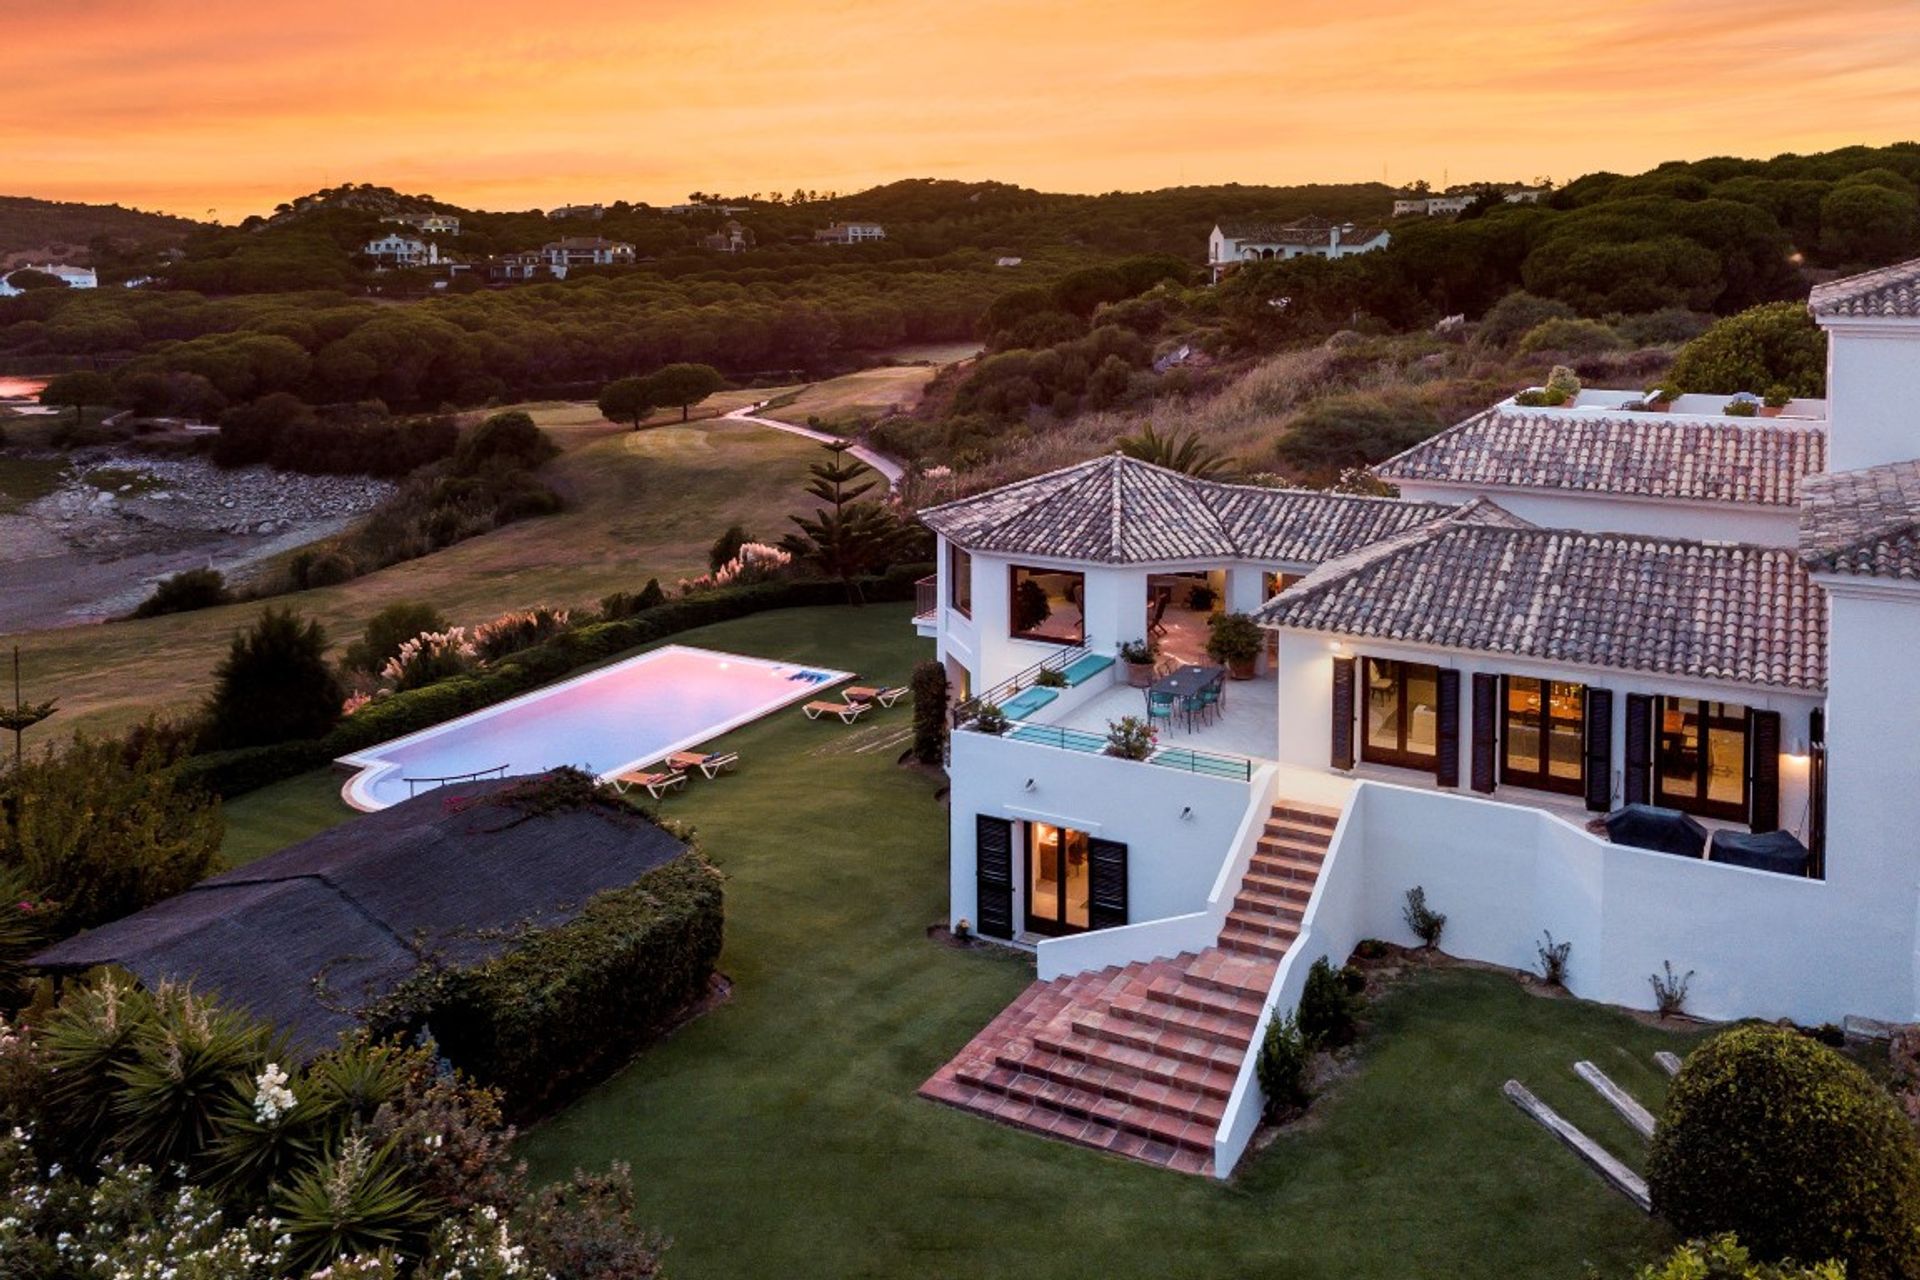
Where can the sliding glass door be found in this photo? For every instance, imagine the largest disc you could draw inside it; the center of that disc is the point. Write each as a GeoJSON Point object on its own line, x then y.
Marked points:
{"type": "Point", "coordinates": [1402, 714]}
{"type": "Point", "coordinates": [1059, 880]}
{"type": "Point", "coordinates": [1700, 758]}
{"type": "Point", "coordinates": [1544, 743]}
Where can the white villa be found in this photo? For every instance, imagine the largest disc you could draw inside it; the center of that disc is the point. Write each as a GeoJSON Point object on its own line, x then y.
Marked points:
{"type": "Point", "coordinates": [1568, 611]}
{"type": "Point", "coordinates": [850, 233]}
{"type": "Point", "coordinates": [1255, 240]}
{"type": "Point", "coordinates": [432, 224]}
{"type": "Point", "coordinates": [1457, 201]}
{"type": "Point", "coordinates": [396, 250]}
{"type": "Point", "coordinates": [74, 277]}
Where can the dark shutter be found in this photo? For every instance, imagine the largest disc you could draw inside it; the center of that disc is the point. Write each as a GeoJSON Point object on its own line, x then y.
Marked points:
{"type": "Point", "coordinates": [1107, 883]}
{"type": "Point", "coordinates": [1639, 788]}
{"type": "Point", "coordinates": [1446, 762]}
{"type": "Point", "coordinates": [1763, 783]}
{"type": "Point", "coordinates": [1817, 793]}
{"type": "Point", "coordinates": [993, 876]}
{"type": "Point", "coordinates": [1343, 685]}
{"type": "Point", "coordinates": [1599, 727]}
{"type": "Point", "coordinates": [1486, 711]}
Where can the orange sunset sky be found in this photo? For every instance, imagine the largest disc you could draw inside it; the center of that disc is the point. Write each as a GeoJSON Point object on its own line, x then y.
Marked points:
{"type": "Point", "coordinates": [192, 105]}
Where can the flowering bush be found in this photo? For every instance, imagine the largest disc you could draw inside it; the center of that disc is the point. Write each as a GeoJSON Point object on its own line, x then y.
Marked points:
{"type": "Point", "coordinates": [430, 656]}
{"type": "Point", "coordinates": [521, 629]}
{"type": "Point", "coordinates": [754, 562]}
{"type": "Point", "coordinates": [1131, 738]}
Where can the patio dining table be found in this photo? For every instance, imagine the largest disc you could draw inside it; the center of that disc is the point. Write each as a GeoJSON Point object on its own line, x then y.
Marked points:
{"type": "Point", "coordinates": [1183, 684]}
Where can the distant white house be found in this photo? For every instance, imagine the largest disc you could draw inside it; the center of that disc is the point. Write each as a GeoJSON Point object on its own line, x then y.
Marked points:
{"type": "Point", "coordinates": [1259, 240]}
{"type": "Point", "coordinates": [75, 277]}
{"type": "Point", "coordinates": [1457, 201]}
{"type": "Point", "coordinates": [396, 250]}
{"type": "Point", "coordinates": [850, 233]}
{"type": "Point", "coordinates": [591, 212]}
{"type": "Point", "coordinates": [432, 224]}
{"type": "Point", "coordinates": [557, 257]}
{"type": "Point", "coordinates": [732, 237]}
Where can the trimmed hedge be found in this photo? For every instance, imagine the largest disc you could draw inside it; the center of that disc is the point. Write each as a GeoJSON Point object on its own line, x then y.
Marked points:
{"type": "Point", "coordinates": [1794, 1148]}
{"type": "Point", "coordinates": [564, 1006]}
{"type": "Point", "coordinates": [231, 773]}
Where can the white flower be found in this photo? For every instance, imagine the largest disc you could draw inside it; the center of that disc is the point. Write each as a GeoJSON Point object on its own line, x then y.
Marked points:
{"type": "Point", "coordinates": [272, 1098]}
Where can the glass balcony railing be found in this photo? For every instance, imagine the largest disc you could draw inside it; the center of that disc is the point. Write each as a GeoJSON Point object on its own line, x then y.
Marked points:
{"type": "Point", "coordinates": [1236, 768]}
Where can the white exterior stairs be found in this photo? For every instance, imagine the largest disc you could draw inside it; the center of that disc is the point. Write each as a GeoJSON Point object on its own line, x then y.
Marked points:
{"type": "Point", "coordinates": [1140, 1059]}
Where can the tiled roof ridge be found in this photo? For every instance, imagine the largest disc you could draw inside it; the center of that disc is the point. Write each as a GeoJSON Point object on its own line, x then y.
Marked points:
{"type": "Point", "coordinates": [1854, 295]}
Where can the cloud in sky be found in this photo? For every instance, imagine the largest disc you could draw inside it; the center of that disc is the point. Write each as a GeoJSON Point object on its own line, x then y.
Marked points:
{"type": "Point", "coordinates": [191, 104]}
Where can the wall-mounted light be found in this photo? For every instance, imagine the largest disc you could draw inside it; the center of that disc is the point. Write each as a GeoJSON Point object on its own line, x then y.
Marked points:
{"type": "Point", "coordinates": [1186, 814]}
{"type": "Point", "coordinates": [1338, 646]}
{"type": "Point", "coordinates": [1029, 785]}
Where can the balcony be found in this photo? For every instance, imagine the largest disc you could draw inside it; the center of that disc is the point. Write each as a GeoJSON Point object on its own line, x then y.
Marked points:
{"type": "Point", "coordinates": [926, 598]}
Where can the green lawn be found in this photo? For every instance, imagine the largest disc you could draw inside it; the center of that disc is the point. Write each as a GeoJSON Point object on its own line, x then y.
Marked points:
{"type": "Point", "coordinates": [780, 1134]}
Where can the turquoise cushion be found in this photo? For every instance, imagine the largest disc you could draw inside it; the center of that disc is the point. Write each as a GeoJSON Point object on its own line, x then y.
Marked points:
{"type": "Point", "coordinates": [1027, 703]}
{"type": "Point", "coordinates": [1087, 668]}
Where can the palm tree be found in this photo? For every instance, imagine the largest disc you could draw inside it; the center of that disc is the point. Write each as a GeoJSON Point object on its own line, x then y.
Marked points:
{"type": "Point", "coordinates": [1182, 453]}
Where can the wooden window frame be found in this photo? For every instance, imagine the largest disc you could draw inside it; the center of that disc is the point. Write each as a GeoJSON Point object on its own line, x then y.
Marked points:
{"type": "Point", "coordinates": [960, 580]}
{"type": "Point", "coordinates": [1542, 779]}
{"type": "Point", "coordinates": [1698, 803]}
{"type": "Point", "coordinates": [1398, 756]}
{"type": "Point", "coordinates": [1013, 590]}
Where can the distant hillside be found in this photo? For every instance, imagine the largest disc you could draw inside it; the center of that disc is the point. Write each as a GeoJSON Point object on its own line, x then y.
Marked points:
{"type": "Point", "coordinates": [58, 230]}
{"type": "Point", "coordinates": [357, 197]}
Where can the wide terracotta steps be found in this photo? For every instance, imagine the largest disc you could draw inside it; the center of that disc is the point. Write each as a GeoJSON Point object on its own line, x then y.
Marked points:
{"type": "Point", "coordinates": [1140, 1060]}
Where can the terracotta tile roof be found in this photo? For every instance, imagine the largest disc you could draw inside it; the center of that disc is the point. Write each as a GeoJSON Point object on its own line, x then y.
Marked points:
{"type": "Point", "coordinates": [1301, 231]}
{"type": "Point", "coordinates": [1863, 522]}
{"type": "Point", "coordinates": [1759, 462]}
{"type": "Point", "coordinates": [1696, 610]}
{"type": "Point", "coordinates": [1119, 510]}
{"type": "Point", "coordinates": [1890, 293]}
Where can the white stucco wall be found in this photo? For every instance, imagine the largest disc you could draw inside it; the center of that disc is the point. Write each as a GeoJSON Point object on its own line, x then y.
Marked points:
{"type": "Point", "coordinates": [1305, 690]}
{"type": "Point", "coordinates": [1605, 513]}
{"type": "Point", "coordinates": [1178, 827]}
{"type": "Point", "coordinates": [1870, 380]}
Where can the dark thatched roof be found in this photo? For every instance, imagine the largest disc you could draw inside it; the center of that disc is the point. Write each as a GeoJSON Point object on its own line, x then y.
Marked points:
{"type": "Point", "coordinates": [305, 937]}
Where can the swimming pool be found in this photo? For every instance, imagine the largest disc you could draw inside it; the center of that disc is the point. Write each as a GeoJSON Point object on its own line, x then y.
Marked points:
{"type": "Point", "coordinates": [632, 713]}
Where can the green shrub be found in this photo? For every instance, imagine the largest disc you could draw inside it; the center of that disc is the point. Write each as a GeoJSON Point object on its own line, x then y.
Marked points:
{"type": "Point", "coordinates": [1571, 335]}
{"type": "Point", "coordinates": [1724, 1258]}
{"type": "Point", "coordinates": [1792, 1147]}
{"type": "Point", "coordinates": [553, 1013]}
{"type": "Point", "coordinates": [274, 684]}
{"type": "Point", "coordinates": [509, 437]}
{"type": "Point", "coordinates": [930, 695]}
{"type": "Point", "coordinates": [185, 591]}
{"type": "Point", "coordinates": [1327, 1006]}
{"type": "Point", "coordinates": [101, 830]}
{"type": "Point", "coordinates": [1426, 923]}
{"type": "Point", "coordinates": [1517, 315]}
{"type": "Point", "coordinates": [1285, 1055]}
{"type": "Point", "coordinates": [390, 628]}
{"type": "Point", "coordinates": [1777, 344]}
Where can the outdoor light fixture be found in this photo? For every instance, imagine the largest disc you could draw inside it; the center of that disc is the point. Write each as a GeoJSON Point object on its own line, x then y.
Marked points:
{"type": "Point", "coordinates": [1029, 785]}
{"type": "Point", "coordinates": [1186, 814]}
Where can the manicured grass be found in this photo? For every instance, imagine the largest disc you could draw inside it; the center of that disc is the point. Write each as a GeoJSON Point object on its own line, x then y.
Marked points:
{"type": "Point", "coordinates": [861, 396]}
{"type": "Point", "coordinates": [279, 815]}
{"type": "Point", "coordinates": [780, 1135]}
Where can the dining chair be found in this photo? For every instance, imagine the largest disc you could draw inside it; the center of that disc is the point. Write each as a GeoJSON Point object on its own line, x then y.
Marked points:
{"type": "Point", "coordinates": [1159, 707]}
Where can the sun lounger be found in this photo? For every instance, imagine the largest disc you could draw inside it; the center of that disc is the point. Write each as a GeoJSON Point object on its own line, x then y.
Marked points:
{"type": "Point", "coordinates": [711, 764]}
{"type": "Point", "coordinates": [869, 693]}
{"type": "Point", "coordinates": [847, 711]}
{"type": "Point", "coordinates": [657, 784]}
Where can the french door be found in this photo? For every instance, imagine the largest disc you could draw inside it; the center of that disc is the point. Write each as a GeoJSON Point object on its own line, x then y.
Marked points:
{"type": "Point", "coordinates": [1544, 744]}
{"type": "Point", "coordinates": [1402, 724]}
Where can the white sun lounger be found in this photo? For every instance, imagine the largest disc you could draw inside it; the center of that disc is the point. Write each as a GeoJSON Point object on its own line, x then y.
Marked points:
{"type": "Point", "coordinates": [657, 784]}
{"type": "Point", "coordinates": [847, 711]}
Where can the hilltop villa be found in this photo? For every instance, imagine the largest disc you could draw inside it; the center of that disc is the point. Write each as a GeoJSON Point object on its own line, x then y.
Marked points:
{"type": "Point", "coordinates": [1256, 240]}
{"type": "Point", "coordinates": [1567, 611]}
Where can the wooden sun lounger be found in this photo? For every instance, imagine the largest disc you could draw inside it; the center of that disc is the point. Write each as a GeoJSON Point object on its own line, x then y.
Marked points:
{"type": "Point", "coordinates": [870, 693]}
{"type": "Point", "coordinates": [657, 784]}
{"type": "Point", "coordinates": [712, 764]}
{"type": "Point", "coordinates": [847, 711]}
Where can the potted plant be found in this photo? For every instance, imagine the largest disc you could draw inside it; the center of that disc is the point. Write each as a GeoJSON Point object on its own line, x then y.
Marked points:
{"type": "Point", "coordinates": [1051, 679]}
{"type": "Point", "coordinates": [1778, 397]}
{"type": "Point", "coordinates": [1743, 405]}
{"type": "Point", "coordinates": [1137, 657]}
{"type": "Point", "coordinates": [1200, 599]}
{"type": "Point", "coordinates": [1234, 640]}
{"type": "Point", "coordinates": [1131, 738]}
{"type": "Point", "coordinates": [991, 719]}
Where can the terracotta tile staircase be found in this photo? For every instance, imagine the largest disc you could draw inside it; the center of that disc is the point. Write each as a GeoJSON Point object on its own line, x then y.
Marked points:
{"type": "Point", "coordinates": [1140, 1059]}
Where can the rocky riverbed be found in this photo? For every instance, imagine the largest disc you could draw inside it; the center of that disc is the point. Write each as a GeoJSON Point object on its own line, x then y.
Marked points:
{"type": "Point", "coordinates": [89, 541]}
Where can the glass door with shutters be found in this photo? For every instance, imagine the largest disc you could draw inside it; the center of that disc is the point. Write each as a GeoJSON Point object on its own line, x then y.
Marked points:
{"type": "Point", "coordinates": [1544, 745]}
{"type": "Point", "coordinates": [1059, 880]}
{"type": "Point", "coordinates": [1700, 758]}
{"type": "Point", "coordinates": [1402, 725]}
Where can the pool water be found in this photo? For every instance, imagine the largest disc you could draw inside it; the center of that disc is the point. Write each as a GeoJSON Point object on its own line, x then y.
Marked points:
{"type": "Point", "coordinates": [634, 713]}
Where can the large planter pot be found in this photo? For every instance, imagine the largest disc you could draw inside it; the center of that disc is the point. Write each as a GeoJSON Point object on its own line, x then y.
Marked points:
{"type": "Point", "coordinates": [1771, 410]}
{"type": "Point", "coordinates": [1139, 674]}
{"type": "Point", "coordinates": [1240, 668]}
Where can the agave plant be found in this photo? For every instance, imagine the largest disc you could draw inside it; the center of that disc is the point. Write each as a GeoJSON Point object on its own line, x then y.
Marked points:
{"type": "Point", "coordinates": [1183, 453]}
{"type": "Point", "coordinates": [354, 1081]}
{"type": "Point", "coordinates": [190, 1062]}
{"type": "Point", "coordinates": [88, 1041]}
{"type": "Point", "coordinates": [350, 1202]}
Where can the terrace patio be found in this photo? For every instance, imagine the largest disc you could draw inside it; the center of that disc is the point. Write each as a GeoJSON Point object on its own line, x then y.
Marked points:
{"type": "Point", "coordinates": [1247, 723]}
